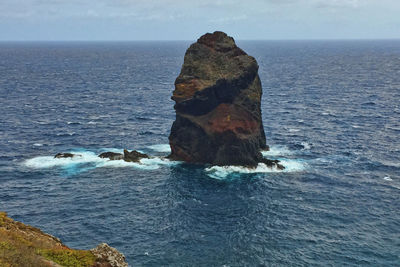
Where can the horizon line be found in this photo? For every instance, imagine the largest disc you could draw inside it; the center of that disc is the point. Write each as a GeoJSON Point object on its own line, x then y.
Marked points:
{"type": "Point", "coordinates": [187, 40]}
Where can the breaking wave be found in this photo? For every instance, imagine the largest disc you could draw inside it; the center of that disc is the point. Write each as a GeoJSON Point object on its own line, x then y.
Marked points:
{"type": "Point", "coordinates": [87, 160]}
{"type": "Point", "coordinates": [223, 172]}
{"type": "Point", "coordinates": [280, 152]}
{"type": "Point", "coordinates": [163, 148]}
{"type": "Point", "coordinates": [277, 150]}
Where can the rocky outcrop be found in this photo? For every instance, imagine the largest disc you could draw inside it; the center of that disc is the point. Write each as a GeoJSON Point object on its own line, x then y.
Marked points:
{"type": "Point", "coordinates": [109, 256]}
{"type": "Point", "coordinates": [217, 102]}
{"type": "Point", "coordinates": [111, 156]}
{"type": "Point", "coordinates": [24, 245]}
{"type": "Point", "coordinates": [134, 156]}
{"type": "Point", "coordinates": [272, 163]}
{"type": "Point", "coordinates": [64, 155]}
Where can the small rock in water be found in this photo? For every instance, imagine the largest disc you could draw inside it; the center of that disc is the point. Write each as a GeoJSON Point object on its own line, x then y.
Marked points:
{"type": "Point", "coordinates": [64, 155]}
{"type": "Point", "coordinates": [134, 156]}
{"type": "Point", "coordinates": [273, 163]}
{"type": "Point", "coordinates": [111, 156]}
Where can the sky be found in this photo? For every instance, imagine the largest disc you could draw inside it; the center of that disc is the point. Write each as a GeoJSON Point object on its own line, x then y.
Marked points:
{"type": "Point", "coordinates": [31, 20]}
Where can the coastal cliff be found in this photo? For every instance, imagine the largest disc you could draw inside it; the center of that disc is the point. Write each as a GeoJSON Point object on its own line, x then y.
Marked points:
{"type": "Point", "coordinates": [218, 105]}
{"type": "Point", "coordinates": [23, 245]}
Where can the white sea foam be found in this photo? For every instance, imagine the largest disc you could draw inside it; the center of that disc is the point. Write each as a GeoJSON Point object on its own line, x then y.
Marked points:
{"type": "Point", "coordinates": [65, 134]}
{"type": "Point", "coordinates": [82, 158]}
{"type": "Point", "coordinates": [222, 172]}
{"type": "Point", "coordinates": [306, 146]}
{"type": "Point", "coordinates": [49, 161]}
{"type": "Point", "coordinates": [387, 178]}
{"type": "Point", "coordinates": [277, 150]}
{"type": "Point", "coordinates": [158, 161]}
{"type": "Point", "coordinates": [163, 148]}
{"type": "Point", "coordinates": [115, 150]}
{"type": "Point", "coordinates": [124, 164]}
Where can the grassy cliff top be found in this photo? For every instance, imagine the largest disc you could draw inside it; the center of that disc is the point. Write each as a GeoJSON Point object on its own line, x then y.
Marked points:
{"type": "Point", "coordinates": [23, 245]}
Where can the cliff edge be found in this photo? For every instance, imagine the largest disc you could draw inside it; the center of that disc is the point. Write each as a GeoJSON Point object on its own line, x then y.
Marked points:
{"type": "Point", "coordinates": [23, 245]}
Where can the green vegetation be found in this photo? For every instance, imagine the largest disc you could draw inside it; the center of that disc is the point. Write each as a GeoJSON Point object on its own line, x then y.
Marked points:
{"type": "Point", "coordinates": [23, 245]}
{"type": "Point", "coordinates": [69, 257]}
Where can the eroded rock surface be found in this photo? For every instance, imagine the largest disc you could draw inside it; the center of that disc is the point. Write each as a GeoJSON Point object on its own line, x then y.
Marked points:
{"type": "Point", "coordinates": [218, 114]}
{"type": "Point", "coordinates": [108, 256]}
{"type": "Point", "coordinates": [134, 156]}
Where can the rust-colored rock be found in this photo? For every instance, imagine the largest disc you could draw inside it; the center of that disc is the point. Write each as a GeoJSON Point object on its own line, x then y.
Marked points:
{"type": "Point", "coordinates": [218, 113]}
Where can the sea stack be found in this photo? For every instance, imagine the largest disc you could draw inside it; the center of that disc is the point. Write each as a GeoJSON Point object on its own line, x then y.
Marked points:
{"type": "Point", "coordinates": [217, 102]}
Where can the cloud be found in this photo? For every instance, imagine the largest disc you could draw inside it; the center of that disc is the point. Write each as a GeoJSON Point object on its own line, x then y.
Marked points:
{"type": "Point", "coordinates": [339, 3]}
{"type": "Point", "coordinates": [133, 9]}
{"type": "Point", "coordinates": [149, 18]}
{"type": "Point", "coordinates": [228, 19]}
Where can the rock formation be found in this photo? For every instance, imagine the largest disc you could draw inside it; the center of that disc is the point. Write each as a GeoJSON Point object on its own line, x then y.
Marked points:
{"type": "Point", "coordinates": [217, 102]}
{"type": "Point", "coordinates": [64, 155]}
{"type": "Point", "coordinates": [109, 255]}
{"type": "Point", "coordinates": [111, 156]}
{"type": "Point", "coordinates": [134, 156]}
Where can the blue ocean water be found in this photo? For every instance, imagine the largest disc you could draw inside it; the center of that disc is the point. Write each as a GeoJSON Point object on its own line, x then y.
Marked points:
{"type": "Point", "coordinates": [331, 113]}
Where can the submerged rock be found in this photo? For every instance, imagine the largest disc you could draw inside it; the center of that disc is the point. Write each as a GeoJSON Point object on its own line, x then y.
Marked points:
{"type": "Point", "coordinates": [64, 155]}
{"type": "Point", "coordinates": [218, 113]}
{"type": "Point", "coordinates": [134, 156]}
{"type": "Point", "coordinates": [111, 156]}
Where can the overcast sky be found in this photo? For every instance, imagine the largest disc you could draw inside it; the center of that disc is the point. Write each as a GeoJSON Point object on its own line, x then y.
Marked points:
{"type": "Point", "coordinates": [188, 19]}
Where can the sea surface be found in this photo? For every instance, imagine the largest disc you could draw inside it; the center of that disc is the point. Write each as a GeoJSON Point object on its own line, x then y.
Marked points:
{"type": "Point", "coordinates": [331, 112]}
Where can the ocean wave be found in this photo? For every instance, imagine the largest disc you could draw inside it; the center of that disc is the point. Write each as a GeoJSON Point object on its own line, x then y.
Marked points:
{"type": "Point", "coordinates": [223, 172]}
{"type": "Point", "coordinates": [65, 134]}
{"type": "Point", "coordinates": [37, 144]}
{"type": "Point", "coordinates": [44, 162]}
{"type": "Point", "coordinates": [277, 150]}
{"type": "Point", "coordinates": [163, 148]}
{"type": "Point", "coordinates": [86, 160]}
{"type": "Point", "coordinates": [82, 159]}
{"type": "Point", "coordinates": [306, 146]}
{"type": "Point", "coordinates": [111, 149]}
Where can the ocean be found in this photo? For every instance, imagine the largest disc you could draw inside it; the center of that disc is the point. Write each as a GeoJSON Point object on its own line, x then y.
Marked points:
{"type": "Point", "coordinates": [331, 113]}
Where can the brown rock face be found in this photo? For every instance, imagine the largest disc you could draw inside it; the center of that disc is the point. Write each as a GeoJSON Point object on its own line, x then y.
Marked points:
{"type": "Point", "coordinates": [217, 96]}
